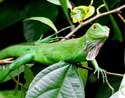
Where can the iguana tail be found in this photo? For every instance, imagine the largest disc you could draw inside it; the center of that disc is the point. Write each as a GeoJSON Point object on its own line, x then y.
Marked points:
{"type": "Point", "coordinates": [14, 51]}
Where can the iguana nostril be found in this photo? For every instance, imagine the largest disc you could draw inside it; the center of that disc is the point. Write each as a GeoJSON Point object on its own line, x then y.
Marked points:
{"type": "Point", "coordinates": [106, 33]}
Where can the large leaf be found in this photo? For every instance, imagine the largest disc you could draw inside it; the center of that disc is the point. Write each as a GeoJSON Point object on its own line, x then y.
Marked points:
{"type": "Point", "coordinates": [14, 11]}
{"type": "Point", "coordinates": [34, 29]}
{"type": "Point", "coordinates": [117, 32]}
{"type": "Point", "coordinates": [44, 20]}
{"type": "Point", "coordinates": [59, 80]}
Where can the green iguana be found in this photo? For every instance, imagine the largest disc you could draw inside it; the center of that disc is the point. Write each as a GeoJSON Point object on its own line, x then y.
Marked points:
{"type": "Point", "coordinates": [74, 50]}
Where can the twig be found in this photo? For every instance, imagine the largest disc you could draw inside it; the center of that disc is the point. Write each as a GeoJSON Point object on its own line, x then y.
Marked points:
{"type": "Point", "coordinates": [16, 81]}
{"type": "Point", "coordinates": [109, 73]}
{"type": "Point", "coordinates": [94, 18]}
{"type": "Point", "coordinates": [120, 16]}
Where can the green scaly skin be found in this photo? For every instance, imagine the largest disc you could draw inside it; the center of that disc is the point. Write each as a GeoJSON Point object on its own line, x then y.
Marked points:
{"type": "Point", "coordinates": [73, 50]}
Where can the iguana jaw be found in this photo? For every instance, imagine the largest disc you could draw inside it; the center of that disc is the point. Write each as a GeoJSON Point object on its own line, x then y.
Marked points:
{"type": "Point", "coordinates": [92, 49]}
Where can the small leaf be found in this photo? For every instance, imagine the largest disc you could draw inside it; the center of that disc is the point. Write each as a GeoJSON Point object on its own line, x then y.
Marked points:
{"type": "Point", "coordinates": [59, 80]}
{"type": "Point", "coordinates": [57, 2]}
{"type": "Point", "coordinates": [17, 72]}
{"type": "Point", "coordinates": [81, 13]}
{"type": "Point", "coordinates": [28, 75]}
{"type": "Point", "coordinates": [44, 20]}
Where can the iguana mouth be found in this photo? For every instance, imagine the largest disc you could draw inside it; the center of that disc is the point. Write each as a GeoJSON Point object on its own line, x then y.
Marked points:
{"type": "Point", "coordinates": [92, 49]}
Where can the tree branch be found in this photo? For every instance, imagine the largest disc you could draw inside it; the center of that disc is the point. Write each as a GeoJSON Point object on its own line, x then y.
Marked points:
{"type": "Point", "coordinates": [94, 18]}
{"type": "Point", "coordinates": [109, 73]}
{"type": "Point", "coordinates": [121, 17]}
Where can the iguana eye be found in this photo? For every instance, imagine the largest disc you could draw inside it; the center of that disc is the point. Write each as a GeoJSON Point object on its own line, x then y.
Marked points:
{"type": "Point", "coordinates": [94, 27]}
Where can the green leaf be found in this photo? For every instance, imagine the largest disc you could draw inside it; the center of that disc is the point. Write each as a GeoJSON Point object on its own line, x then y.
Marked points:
{"type": "Point", "coordinates": [28, 75]}
{"type": "Point", "coordinates": [33, 30]}
{"type": "Point", "coordinates": [121, 92]}
{"type": "Point", "coordinates": [44, 20]}
{"type": "Point", "coordinates": [57, 2]}
{"type": "Point", "coordinates": [117, 32]}
{"type": "Point", "coordinates": [9, 14]}
{"type": "Point", "coordinates": [38, 8]}
{"type": "Point", "coordinates": [16, 72]}
{"type": "Point", "coordinates": [64, 4]}
{"type": "Point", "coordinates": [83, 73]}
{"type": "Point", "coordinates": [104, 91]}
{"type": "Point", "coordinates": [81, 13]}
{"type": "Point", "coordinates": [10, 94]}
{"type": "Point", "coordinates": [59, 80]}
{"type": "Point", "coordinates": [12, 12]}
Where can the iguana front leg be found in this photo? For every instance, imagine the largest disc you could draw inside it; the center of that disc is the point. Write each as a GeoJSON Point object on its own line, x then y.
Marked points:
{"type": "Point", "coordinates": [16, 64]}
{"type": "Point", "coordinates": [99, 70]}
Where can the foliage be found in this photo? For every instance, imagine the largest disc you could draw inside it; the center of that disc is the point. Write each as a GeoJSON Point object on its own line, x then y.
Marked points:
{"type": "Point", "coordinates": [58, 80]}
{"type": "Point", "coordinates": [41, 18]}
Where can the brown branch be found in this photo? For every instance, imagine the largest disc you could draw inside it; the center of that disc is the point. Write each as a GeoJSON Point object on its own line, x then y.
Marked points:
{"type": "Point", "coordinates": [94, 18]}
{"type": "Point", "coordinates": [121, 17]}
{"type": "Point", "coordinates": [6, 61]}
{"type": "Point", "coordinates": [109, 73]}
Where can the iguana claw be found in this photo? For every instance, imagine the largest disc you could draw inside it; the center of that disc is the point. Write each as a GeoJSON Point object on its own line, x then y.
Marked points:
{"type": "Point", "coordinates": [104, 76]}
{"type": "Point", "coordinates": [99, 70]}
{"type": "Point", "coordinates": [103, 73]}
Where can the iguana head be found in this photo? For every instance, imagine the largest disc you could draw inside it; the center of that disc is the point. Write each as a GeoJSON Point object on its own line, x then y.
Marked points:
{"type": "Point", "coordinates": [96, 36]}
{"type": "Point", "coordinates": [98, 32]}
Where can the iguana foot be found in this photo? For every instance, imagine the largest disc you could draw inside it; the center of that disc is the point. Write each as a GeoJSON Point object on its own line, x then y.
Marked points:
{"type": "Point", "coordinates": [103, 73]}
{"type": "Point", "coordinates": [104, 76]}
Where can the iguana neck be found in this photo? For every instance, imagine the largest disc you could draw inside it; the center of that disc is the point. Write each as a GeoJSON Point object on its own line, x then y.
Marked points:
{"type": "Point", "coordinates": [91, 46]}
